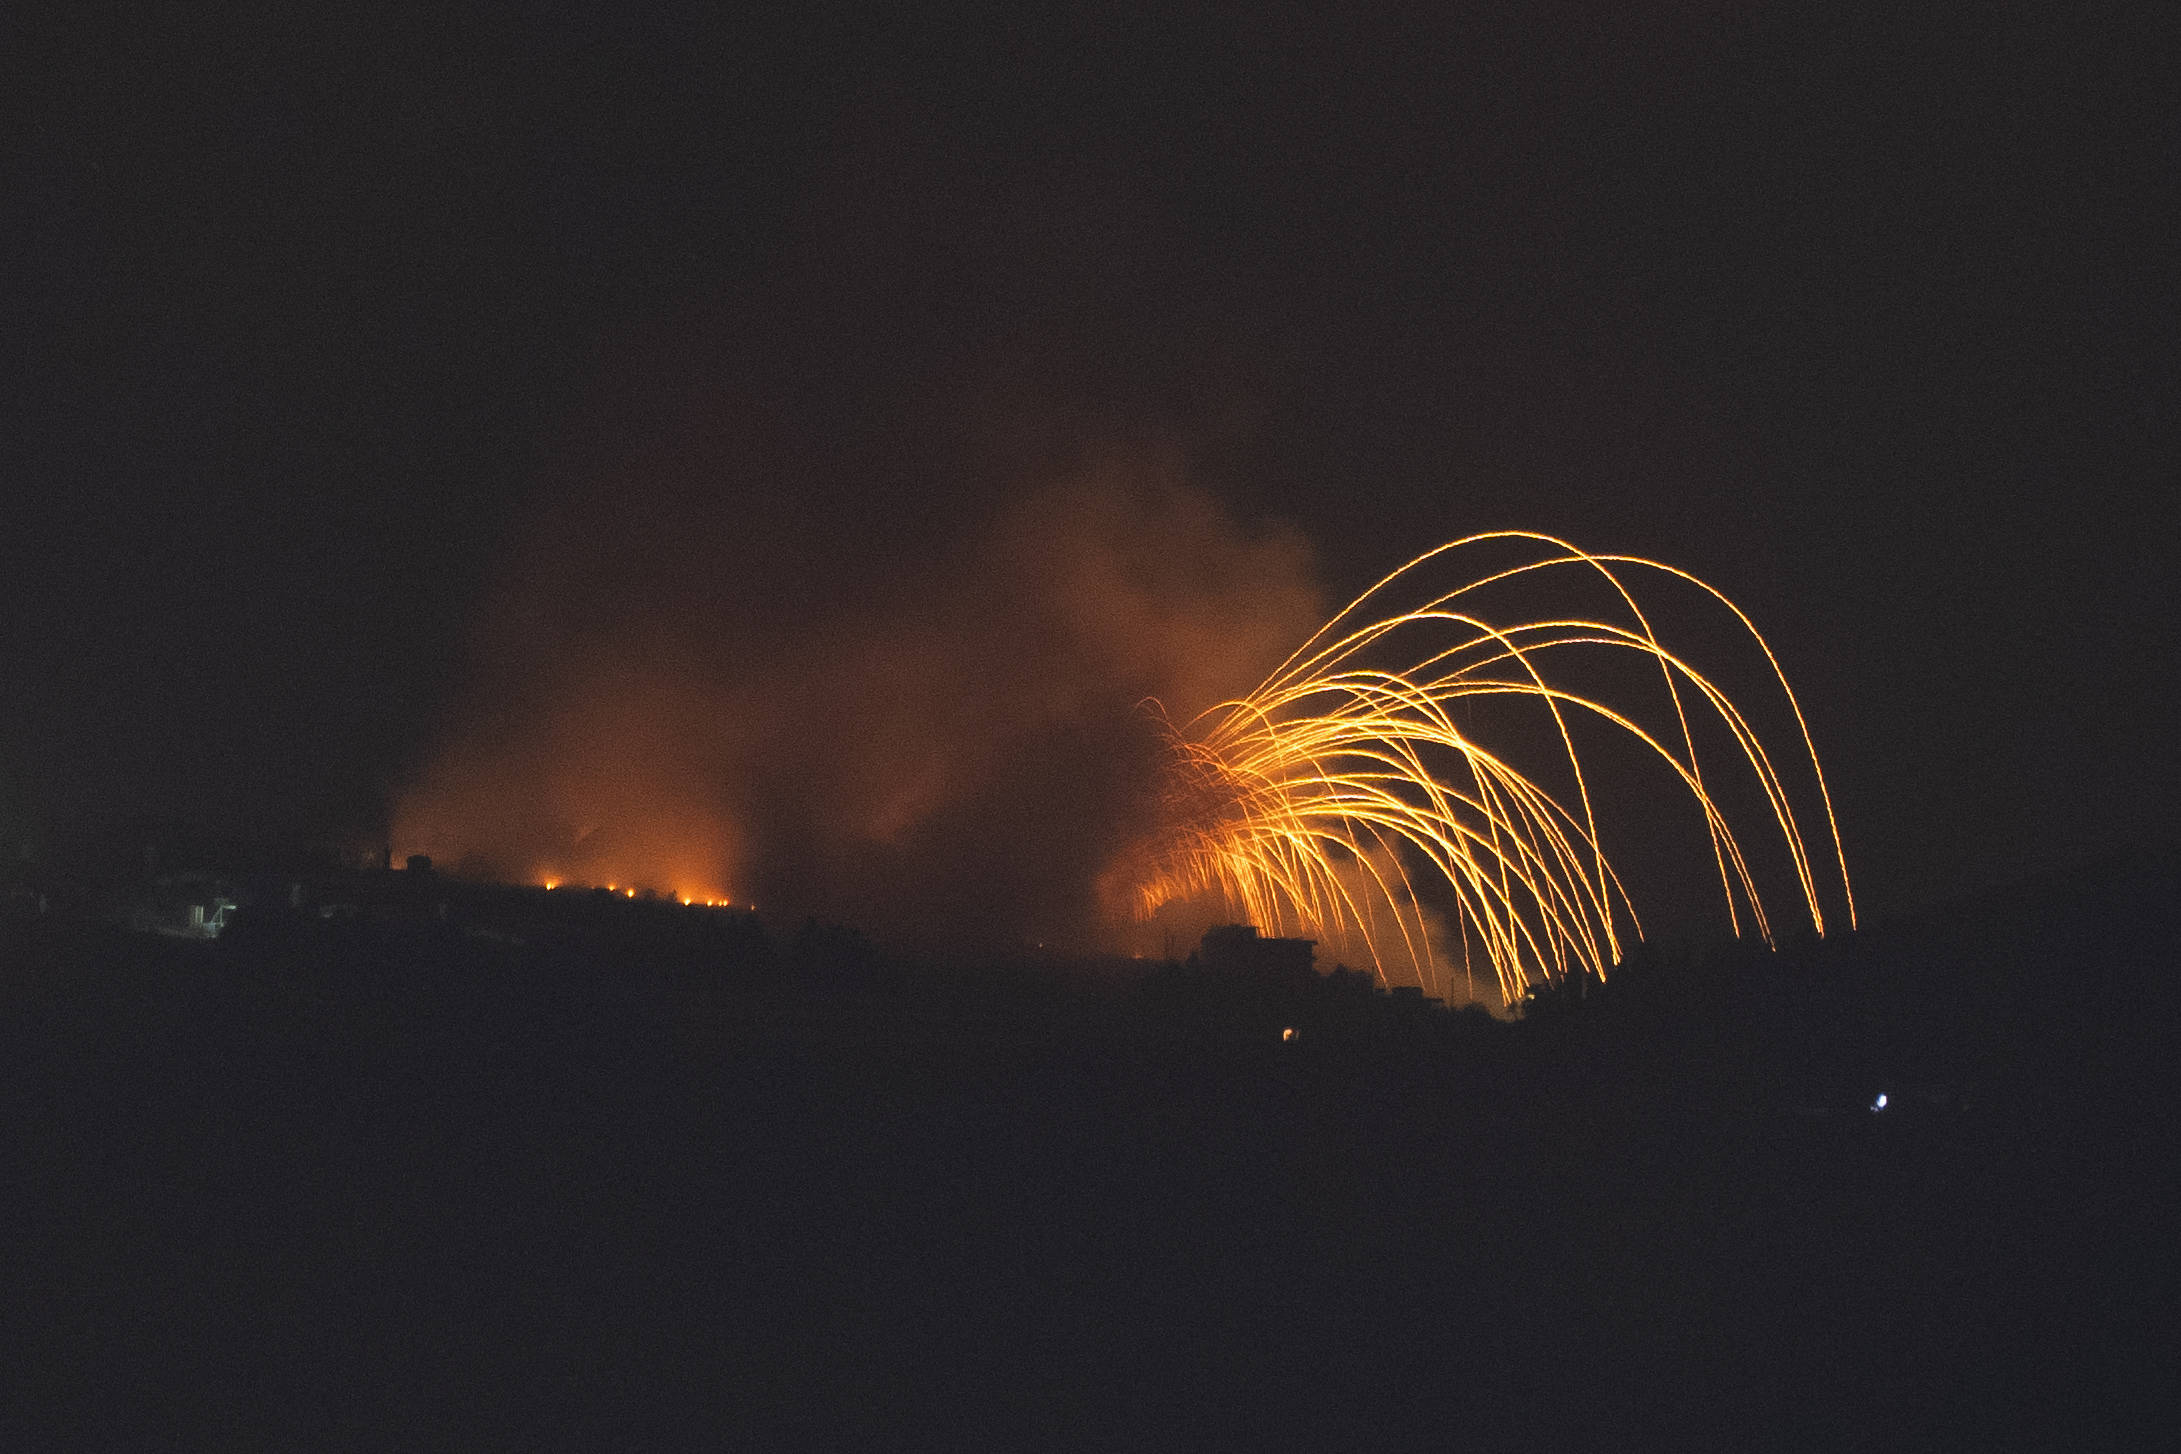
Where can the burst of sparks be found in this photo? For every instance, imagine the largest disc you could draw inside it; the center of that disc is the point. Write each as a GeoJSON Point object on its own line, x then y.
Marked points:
{"type": "Point", "coordinates": [1324, 799]}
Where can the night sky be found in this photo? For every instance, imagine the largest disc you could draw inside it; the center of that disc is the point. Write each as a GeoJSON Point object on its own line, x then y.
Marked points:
{"type": "Point", "coordinates": [311, 329]}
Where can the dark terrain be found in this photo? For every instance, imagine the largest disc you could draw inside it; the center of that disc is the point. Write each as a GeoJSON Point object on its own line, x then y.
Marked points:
{"type": "Point", "coordinates": [651, 1178]}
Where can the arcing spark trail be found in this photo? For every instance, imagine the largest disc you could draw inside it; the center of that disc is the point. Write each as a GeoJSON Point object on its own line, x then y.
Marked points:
{"type": "Point", "coordinates": [1324, 800]}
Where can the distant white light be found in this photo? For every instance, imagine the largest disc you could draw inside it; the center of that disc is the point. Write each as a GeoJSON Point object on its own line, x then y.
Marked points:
{"type": "Point", "coordinates": [1880, 1103]}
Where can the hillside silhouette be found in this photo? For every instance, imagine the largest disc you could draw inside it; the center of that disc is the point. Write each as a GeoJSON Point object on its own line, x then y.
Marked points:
{"type": "Point", "coordinates": [406, 1162]}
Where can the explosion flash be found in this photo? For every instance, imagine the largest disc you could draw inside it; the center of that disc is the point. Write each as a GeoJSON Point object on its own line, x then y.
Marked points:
{"type": "Point", "coordinates": [1341, 798]}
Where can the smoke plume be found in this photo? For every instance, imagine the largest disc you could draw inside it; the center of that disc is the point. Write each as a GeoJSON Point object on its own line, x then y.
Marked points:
{"type": "Point", "coordinates": [723, 671]}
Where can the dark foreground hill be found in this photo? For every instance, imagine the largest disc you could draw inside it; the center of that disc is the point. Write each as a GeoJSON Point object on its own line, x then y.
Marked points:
{"type": "Point", "coordinates": [400, 1187]}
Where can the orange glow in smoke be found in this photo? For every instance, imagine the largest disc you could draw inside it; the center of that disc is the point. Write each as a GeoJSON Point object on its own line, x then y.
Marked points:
{"type": "Point", "coordinates": [648, 707]}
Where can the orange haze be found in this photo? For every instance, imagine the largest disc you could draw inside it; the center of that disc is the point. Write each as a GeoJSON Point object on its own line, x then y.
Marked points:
{"type": "Point", "coordinates": [930, 731]}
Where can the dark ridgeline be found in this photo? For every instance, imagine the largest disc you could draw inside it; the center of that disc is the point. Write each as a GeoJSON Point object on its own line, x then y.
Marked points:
{"type": "Point", "coordinates": [399, 1160]}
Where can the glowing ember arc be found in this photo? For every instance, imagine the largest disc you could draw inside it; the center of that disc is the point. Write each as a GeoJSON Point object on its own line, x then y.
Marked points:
{"type": "Point", "coordinates": [1309, 804]}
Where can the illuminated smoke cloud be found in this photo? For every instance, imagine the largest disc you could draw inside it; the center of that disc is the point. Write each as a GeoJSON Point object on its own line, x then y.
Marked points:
{"type": "Point", "coordinates": [725, 675]}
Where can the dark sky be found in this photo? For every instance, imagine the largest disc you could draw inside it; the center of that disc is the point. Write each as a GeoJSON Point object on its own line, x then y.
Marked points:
{"type": "Point", "coordinates": [1862, 318]}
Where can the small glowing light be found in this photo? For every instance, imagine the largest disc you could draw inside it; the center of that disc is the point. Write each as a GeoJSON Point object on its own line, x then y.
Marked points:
{"type": "Point", "coordinates": [1880, 1103]}
{"type": "Point", "coordinates": [1288, 1033]}
{"type": "Point", "coordinates": [551, 884]}
{"type": "Point", "coordinates": [628, 893]}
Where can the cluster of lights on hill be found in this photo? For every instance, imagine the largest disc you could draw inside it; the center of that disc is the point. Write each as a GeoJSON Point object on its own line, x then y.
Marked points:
{"type": "Point", "coordinates": [687, 901]}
